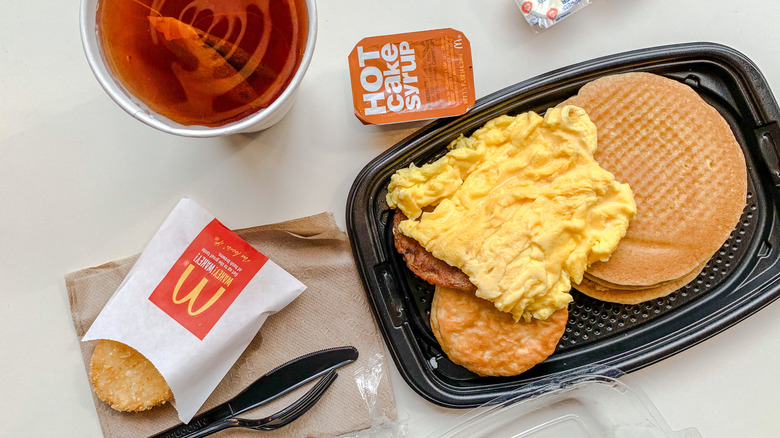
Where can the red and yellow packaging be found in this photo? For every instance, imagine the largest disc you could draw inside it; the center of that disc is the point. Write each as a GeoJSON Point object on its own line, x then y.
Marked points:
{"type": "Point", "coordinates": [412, 76]}
{"type": "Point", "coordinates": [193, 301]}
{"type": "Point", "coordinates": [218, 264]}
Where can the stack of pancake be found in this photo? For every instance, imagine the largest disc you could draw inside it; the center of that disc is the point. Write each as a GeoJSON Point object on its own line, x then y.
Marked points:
{"type": "Point", "coordinates": [689, 180]}
{"type": "Point", "coordinates": [688, 175]}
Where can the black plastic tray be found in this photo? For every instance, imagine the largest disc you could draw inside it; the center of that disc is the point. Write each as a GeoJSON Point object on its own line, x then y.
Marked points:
{"type": "Point", "coordinates": [741, 278]}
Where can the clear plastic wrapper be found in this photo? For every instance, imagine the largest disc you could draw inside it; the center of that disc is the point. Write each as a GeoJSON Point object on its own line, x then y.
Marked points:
{"type": "Point", "coordinates": [367, 379]}
{"type": "Point", "coordinates": [542, 14]}
{"type": "Point", "coordinates": [587, 403]}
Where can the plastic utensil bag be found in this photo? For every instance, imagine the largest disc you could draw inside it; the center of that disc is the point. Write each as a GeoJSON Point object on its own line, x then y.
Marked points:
{"type": "Point", "coordinates": [367, 379]}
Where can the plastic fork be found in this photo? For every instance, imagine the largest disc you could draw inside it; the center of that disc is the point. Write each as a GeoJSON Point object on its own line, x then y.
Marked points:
{"type": "Point", "coordinates": [279, 419]}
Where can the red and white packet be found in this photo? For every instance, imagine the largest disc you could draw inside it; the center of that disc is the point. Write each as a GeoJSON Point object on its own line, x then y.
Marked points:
{"type": "Point", "coordinates": [542, 14]}
{"type": "Point", "coordinates": [193, 302]}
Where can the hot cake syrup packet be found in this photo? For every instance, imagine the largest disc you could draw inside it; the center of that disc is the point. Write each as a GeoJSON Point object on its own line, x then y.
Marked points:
{"type": "Point", "coordinates": [411, 76]}
{"type": "Point", "coordinates": [193, 302]}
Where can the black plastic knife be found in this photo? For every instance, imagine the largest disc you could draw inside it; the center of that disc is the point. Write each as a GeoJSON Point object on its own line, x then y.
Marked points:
{"type": "Point", "coordinates": [274, 384]}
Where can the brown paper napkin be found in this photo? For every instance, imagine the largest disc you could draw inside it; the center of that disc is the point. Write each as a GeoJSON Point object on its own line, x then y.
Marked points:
{"type": "Point", "coordinates": [331, 312]}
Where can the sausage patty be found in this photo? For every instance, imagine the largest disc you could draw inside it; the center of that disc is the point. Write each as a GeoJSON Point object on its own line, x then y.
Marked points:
{"type": "Point", "coordinates": [424, 265]}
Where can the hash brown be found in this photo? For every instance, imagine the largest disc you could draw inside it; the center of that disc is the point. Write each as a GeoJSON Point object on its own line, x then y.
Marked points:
{"type": "Point", "coordinates": [125, 379]}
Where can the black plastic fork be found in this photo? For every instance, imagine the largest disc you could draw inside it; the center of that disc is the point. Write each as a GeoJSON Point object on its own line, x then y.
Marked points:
{"type": "Point", "coordinates": [279, 419]}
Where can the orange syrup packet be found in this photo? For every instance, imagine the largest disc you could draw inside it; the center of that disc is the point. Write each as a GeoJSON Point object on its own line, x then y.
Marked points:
{"type": "Point", "coordinates": [411, 76]}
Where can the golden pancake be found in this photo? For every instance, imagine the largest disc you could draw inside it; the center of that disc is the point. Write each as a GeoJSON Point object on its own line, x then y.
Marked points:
{"type": "Point", "coordinates": [684, 165]}
{"type": "Point", "coordinates": [605, 285]}
{"type": "Point", "coordinates": [488, 342]}
{"type": "Point", "coordinates": [125, 379]}
{"type": "Point", "coordinates": [635, 296]}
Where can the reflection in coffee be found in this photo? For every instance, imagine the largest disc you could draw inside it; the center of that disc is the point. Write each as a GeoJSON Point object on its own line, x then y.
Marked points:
{"type": "Point", "coordinates": [203, 62]}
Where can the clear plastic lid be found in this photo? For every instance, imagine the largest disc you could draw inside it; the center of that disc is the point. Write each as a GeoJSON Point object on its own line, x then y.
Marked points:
{"type": "Point", "coordinates": [592, 402]}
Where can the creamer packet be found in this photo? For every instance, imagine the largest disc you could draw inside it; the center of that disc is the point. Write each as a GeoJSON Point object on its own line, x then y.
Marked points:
{"type": "Point", "coordinates": [541, 14]}
{"type": "Point", "coordinates": [412, 76]}
{"type": "Point", "coordinates": [193, 301]}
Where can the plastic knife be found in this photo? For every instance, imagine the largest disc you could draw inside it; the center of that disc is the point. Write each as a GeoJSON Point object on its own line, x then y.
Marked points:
{"type": "Point", "coordinates": [269, 387]}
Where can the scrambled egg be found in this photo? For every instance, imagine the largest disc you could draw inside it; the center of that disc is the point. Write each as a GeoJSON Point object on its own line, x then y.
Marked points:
{"type": "Point", "coordinates": [521, 207]}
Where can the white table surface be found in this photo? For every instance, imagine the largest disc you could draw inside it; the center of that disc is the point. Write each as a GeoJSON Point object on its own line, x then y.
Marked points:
{"type": "Point", "coordinates": [82, 183]}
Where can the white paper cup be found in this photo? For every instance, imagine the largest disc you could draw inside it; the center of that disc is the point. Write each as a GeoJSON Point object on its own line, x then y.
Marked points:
{"type": "Point", "coordinates": [263, 119]}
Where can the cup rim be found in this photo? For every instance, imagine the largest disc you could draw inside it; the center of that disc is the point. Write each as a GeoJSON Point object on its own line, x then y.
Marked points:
{"type": "Point", "coordinates": [125, 99]}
